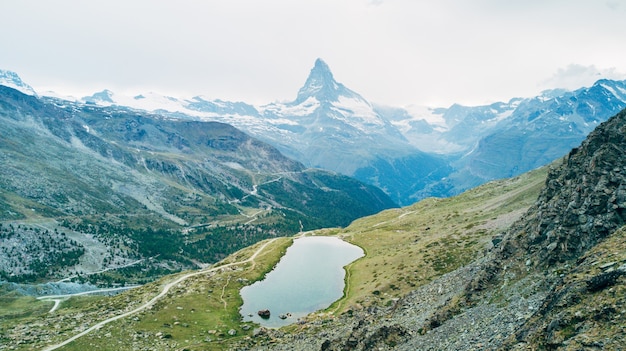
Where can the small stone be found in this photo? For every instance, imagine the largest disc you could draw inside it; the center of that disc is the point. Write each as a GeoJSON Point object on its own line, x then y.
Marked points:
{"type": "Point", "coordinates": [607, 265]}
{"type": "Point", "coordinates": [259, 332]}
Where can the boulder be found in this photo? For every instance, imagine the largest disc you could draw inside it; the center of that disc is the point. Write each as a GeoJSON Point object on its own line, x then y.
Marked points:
{"type": "Point", "coordinates": [264, 314]}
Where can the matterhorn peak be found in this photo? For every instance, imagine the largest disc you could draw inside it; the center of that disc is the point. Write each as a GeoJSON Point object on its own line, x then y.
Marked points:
{"type": "Point", "coordinates": [321, 72]}
{"type": "Point", "coordinates": [322, 85]}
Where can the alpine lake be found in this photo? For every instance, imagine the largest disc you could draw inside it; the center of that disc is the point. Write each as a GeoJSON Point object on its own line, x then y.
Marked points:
{"type": "Point", "coordinates": [309, 277]}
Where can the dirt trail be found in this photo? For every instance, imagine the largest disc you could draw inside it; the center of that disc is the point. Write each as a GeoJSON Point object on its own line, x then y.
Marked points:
{"type": "Point", "coordinates": [164, 291]}
{"type": "Point", "coordinates": [499, 200]}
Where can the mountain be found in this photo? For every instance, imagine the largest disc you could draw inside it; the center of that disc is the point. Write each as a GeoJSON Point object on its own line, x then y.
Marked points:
{"type": "Point", "coordinates": [333, 127]}
{"type": "Point", "coordinates": [12, 80]}
{"type": "Point", "coordinates": [451, 130]}
{"type": "Point", "coordinates": [321, 86]}
{"type": "Point", "coordinates": [330, 126]}
{"type": "Point", "coordinates": [502, 140]}
{"type": "Point", "coordinates": [538, 131]}
{"type": "Point", "coordinates": [126, 185]}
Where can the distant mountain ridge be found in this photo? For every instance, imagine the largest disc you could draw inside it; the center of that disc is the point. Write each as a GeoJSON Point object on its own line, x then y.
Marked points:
{"type": "Point", "coordinates": [538, 131]}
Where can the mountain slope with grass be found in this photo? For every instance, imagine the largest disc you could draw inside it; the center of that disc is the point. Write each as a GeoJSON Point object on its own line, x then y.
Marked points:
{"type": "Point", "coordinates": [101, 187]}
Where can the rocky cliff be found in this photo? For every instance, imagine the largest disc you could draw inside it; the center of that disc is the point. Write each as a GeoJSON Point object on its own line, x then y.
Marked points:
{"type": "Point", "coordinates": [583, 201]}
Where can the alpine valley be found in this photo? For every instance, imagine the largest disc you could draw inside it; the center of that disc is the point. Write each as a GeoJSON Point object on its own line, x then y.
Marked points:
{"type": "Point", "coordinates": [84, 189]}
{"type": "Point", "coordinates": [511, 235]}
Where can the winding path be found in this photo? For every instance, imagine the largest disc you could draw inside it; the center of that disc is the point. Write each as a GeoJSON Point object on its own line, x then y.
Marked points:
{"type": "Point", "coordinates": [164, 291]}
{"type": "Point", "coordinates": [103, 270]}
{"type": "Point", "coordinates": [58, 298]}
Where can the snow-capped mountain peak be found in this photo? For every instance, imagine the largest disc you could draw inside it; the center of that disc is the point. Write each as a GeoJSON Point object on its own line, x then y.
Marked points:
{"type": "Point", "coordinates": [12, 80]}
{"type": "Point", "coordinates": [322, 85]}
{"type": "Point", "coordinates": [103, 97]}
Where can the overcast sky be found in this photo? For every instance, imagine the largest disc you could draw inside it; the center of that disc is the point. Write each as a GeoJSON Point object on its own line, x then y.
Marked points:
{"type": "Point", "coordinates": [395, 52]}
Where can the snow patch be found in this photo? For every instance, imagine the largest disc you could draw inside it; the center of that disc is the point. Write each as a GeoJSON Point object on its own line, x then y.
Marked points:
{"type": "Point", "coordinates": [283, 121]}
{"type": "Point", "coordinates": [235, 165]}
{"type": "Point", "coordinates": [427, 114]}
{"type": "Point", "coordinates": [305, 108]}
{"type": "Point", "coordinates": [610, 89]}
{"type": "Point", "coordinates": [360, 109]}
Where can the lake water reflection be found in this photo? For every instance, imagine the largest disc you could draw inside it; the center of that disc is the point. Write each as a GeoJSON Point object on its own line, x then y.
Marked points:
{"type": "Point", "coordinates": [309, 277]}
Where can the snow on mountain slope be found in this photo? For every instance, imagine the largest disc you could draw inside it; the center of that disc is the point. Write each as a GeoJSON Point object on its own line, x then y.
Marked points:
{"type": "Point", "coordinates": [433, 116]}
{"type": "Point", "coordinates": [353, 109]}
{"type": "Point", "coordinates": [323, 102]}
{"type": "Point", "coordinates": [147, 102]}
{"type": "Point", "coordinates": [305, 108]}
{"type": "Point", "coordinates": [12, 80]}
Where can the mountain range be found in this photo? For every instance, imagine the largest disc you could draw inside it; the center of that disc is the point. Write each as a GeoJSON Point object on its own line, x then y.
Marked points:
{"type": "Point", "coordinates": [127, 185]}
{"type": "Point", "coordinates": [411, 153]}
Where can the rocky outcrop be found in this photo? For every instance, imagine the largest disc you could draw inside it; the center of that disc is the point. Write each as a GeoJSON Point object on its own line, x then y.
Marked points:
{"type": "Point", "coordinates": [583, 201]}
{"type": "Point", "coordinates": [582, 205]}
{"type": "Point", "coordinates": [264, 314]}
{"type": "Point", "coordinates": [584, 309]}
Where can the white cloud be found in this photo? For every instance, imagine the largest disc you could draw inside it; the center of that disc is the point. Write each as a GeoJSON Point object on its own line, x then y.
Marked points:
{"type": "Point", "coordinates": [614, 5]}
{"type": "Point", "coordinates": [575, 76]}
